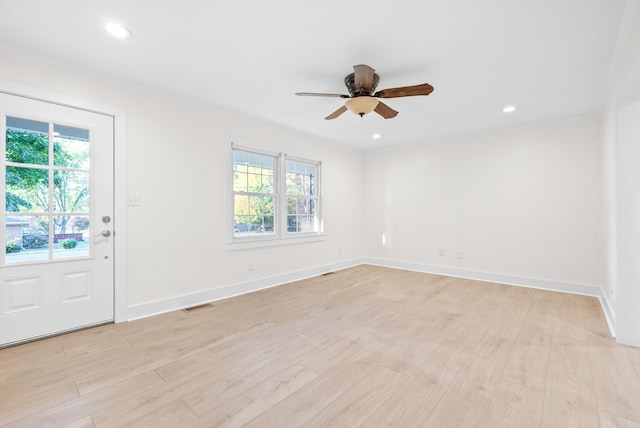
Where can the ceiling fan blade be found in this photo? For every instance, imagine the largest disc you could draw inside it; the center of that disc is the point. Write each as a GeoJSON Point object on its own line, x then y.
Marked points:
{"type": "Point", "coordinates": [363, 76]}
{"type": "Point", "coordinates": [316, 94]}
{"type": "Point", "coordinates": [385, 111]}
{"type": "Point", "coordinates": [336, 113]}
{"type": "Point", "coordinates": [405, 91]}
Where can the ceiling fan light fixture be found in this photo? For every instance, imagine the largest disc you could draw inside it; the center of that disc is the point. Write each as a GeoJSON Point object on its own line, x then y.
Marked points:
{"type": "Point", "coordinates": [362, 105]}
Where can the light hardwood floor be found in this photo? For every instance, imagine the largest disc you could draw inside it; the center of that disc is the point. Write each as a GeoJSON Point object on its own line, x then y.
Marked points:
{"type": "Point", "coordinates": [364, 347]}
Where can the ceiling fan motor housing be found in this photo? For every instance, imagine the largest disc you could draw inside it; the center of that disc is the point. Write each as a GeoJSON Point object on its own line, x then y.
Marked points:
{"type": "Point", "coordinates": [350, 83]}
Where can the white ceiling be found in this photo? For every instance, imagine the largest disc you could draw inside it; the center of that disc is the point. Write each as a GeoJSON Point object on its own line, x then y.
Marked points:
{"type": "Point", "coordinates": [551, 58]}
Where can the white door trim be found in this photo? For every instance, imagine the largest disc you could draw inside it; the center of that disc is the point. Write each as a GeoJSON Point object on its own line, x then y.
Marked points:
{"type": "Point", "coordinates": [119, 176]}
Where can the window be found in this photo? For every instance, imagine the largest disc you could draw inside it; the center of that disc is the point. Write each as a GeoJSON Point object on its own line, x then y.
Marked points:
{"type": "Point", "coordinates": [254, 195]}
{"type": "Point", "coordinates": [275, 196]}
{"type": "Point", "coordinates": [302, 198]}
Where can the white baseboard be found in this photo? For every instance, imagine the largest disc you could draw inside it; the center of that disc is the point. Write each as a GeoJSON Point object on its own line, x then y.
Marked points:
{"type": "Point", "coordinates": [609, 314]}
{"type": "Point", "coordinates": [523, 281]}
{"type": "Point", "coordinates": [175, 303]}
{"type": "Point", "coordinates": [157, 307]}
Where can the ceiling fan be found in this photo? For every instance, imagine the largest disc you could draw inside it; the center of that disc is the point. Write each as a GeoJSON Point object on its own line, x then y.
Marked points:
{"type": "Point", "coordinates": [362, 99]}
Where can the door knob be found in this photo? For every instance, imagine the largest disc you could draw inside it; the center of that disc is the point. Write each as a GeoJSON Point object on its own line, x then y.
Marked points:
{"type": "Point", "coordinates": [106, 233]}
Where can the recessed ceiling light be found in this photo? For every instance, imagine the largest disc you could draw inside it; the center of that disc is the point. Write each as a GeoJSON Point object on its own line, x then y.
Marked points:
{"type": "Point", "coordinates": [375, 136]}
{"type": "Point", "coordinates": [117, 30]}
{"type": "Point", "coordinates": [509, 109]}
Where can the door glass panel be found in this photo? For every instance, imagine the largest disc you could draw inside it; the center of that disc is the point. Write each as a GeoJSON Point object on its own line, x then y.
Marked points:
{"type": "Point", "coordinates": [27, 141]}
{"type": "Point", "coordinates": [71, 191]}
{"type": "Point", "coordinates": [71, 147]}
{"type": "Point", "coordinates": [27, 189]}
{"type": "Point", "coordinates": [71, 238]}
{"type": "Point", "coordinates": [26, 238]}
{"type": "Point", "coordinates": [47, 182]}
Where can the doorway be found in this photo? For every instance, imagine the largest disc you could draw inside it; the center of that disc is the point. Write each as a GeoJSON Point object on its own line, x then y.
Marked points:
{"type": "Point", "coordinates": [57, 256]}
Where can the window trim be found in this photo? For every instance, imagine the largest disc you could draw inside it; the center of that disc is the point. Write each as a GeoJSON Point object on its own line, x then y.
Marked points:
{"type": "Point", "coordinates": [281, 236]}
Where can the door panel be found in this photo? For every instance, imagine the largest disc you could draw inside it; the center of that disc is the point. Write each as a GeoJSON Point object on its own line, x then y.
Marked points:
{"type": "Point", "coordinates": [56, 264]}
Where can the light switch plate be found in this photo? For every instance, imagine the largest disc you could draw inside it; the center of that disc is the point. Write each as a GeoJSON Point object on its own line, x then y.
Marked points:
{"type": "Point", "coordinates": [133, 199]}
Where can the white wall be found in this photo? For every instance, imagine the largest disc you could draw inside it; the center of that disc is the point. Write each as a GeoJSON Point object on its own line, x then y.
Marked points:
{"type": "Point", "coordinates": [525, 203]}
{"type": "Point", "coordinates": [608, 138]}
{"type": "Point", "coordinates": [176, 158]}
{"type": "Point", "coordinates": [628, 224]}
{"type": "Point", "coordinates": [621, 159]}
{"type": "Point", "coordinates": [623, 87]}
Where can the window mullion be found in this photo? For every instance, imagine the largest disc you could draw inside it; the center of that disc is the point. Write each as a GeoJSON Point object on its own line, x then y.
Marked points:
{"type": "Point", "coordinates": [50, 171]}
{"type": "Point", "coordinates": [282, 191]}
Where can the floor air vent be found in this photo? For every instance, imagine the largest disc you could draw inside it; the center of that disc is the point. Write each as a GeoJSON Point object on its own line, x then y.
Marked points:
{"type": "Point", "coordinates": [197, 307]}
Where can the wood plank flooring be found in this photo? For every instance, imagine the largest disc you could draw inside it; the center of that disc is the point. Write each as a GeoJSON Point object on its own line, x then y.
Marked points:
{"type": "Point", "coordinates": [364, 347]}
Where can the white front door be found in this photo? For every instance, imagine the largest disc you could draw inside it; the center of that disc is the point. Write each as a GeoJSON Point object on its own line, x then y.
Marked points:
{"type": "Point", "coordinates": [56, 263]}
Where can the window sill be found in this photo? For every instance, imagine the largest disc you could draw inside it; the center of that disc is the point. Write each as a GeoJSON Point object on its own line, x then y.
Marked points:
{"type": "Point", "coordinates": [273, 242]}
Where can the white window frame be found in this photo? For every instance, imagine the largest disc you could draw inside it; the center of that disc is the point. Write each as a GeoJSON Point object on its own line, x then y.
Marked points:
{"type": "Point", "coordinates": [281, 235]}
